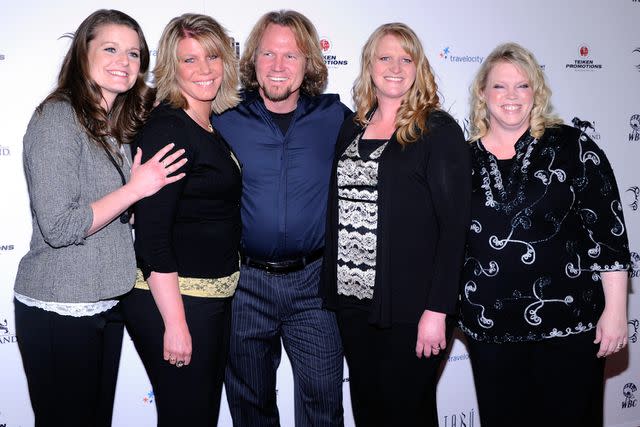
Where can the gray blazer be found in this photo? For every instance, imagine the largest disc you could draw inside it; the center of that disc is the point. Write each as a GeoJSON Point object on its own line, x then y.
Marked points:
{"type": "Point", "coordinates": [65, 173]}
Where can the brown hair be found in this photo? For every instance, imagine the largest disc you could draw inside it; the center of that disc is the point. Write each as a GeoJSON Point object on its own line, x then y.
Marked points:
{"type": "Point", "coordinates": [215, 41]}
{"type": "Point", "coordinates": [541, 114]}
{"type": "Point", "coordinates": [315, 78]}
{"type": "Point", "coordinates": [422, 98]}
{"type": "Point", "coordinates": [129, 110]}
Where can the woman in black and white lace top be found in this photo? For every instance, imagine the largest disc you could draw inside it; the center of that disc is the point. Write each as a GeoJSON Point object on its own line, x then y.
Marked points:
{"type": "Point", "coordinates": [397, 218]}
{"type": "Point", "coordinates": [545, 281]}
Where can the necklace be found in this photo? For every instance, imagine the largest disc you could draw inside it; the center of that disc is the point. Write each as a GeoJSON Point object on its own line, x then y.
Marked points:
{"type": "Point", "coordinates": [200, 121]}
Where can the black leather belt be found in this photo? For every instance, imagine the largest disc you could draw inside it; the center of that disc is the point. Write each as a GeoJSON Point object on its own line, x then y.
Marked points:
{"type": "Point", "coordinates": [285, 266]}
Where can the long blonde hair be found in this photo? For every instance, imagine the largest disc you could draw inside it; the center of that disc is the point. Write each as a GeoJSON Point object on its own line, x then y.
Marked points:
{"type": "Point", "coordinates": [541, 114]}
{"type": "Point", "coordinates": [418, 103]}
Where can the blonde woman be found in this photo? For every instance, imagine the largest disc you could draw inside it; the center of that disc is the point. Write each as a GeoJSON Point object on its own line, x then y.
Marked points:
{"type": "Point", "coordinates": [397, 218]}
{"type": "Point", "coordinates": [187, 236]}
{"type": "Point", "coordinates": [545, 282]}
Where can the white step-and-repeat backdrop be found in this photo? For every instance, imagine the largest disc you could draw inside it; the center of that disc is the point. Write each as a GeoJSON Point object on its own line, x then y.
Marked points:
{"type": "Point", "coordinates": [590, 51]}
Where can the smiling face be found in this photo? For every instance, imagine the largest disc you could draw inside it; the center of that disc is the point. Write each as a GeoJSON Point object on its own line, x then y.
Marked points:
{"type": "Point", "coordinates": [199, 74]}
{"type": "Point", "coordinates": [114, 60]}
{"type": "Point", "coordinates": [393, 71]}
{"type": "Point", "coordinates": [280, 68]}
{"type": "Point", "coordinates": [509, 97]}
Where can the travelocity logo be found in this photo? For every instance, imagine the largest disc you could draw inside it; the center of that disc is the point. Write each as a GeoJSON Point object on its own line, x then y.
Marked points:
{"type": "Point", "coordinates": [447, 54]}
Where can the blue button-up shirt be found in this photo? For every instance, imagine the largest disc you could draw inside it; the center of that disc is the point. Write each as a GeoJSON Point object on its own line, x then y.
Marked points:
{"type": "Point", "coordinates": [285, 178]}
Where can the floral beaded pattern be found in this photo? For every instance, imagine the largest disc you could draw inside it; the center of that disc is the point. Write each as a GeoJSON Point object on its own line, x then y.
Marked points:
{"type": "Point", "coordinates": [221, 287]}
{"type": "Point", "coordinates": [357, 220]}
{"type": "Point", "coordinates": [542, 231]}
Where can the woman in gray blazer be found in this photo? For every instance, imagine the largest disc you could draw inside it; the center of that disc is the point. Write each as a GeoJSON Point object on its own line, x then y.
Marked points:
{"type": "Point", "coordinates": [81, 182]}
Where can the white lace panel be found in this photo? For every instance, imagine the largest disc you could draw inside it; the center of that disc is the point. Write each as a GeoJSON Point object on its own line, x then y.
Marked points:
{"type": "Point", "coordinates": [357, 221]}
{"type": "Point", "coordinates": [73, 309]}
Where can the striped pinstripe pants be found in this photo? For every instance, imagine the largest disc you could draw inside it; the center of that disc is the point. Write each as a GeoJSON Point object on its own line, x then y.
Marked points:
{"type": "Point", "coordinates": [270, 309]}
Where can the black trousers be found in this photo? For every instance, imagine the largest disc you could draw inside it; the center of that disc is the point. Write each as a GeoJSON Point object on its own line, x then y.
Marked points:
{"type": "Point", "coordinates": [389, 385]}
{"type": "Point", "coordinates": [187, 396]}
{"type": "Point", "coordinates": [556, 382]}
{"type": "Point", "coordinates": [71, 364]}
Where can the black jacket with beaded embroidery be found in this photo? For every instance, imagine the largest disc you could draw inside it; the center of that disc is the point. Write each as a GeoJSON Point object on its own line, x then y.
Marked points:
{"type": "Point", "coordinates": [541, 232]}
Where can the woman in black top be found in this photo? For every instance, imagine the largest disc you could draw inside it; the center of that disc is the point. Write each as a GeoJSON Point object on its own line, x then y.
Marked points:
{"type": "Point", "coordinates": [187, 236]}
{"type": "Point", "coordinates": [397, 218]}
{"type": "Point", "coordinates": [544, 283]}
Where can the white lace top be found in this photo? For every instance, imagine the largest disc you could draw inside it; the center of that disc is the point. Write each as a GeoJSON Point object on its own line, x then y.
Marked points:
{"type": "Point", "coordinates": [74, 309]}
{"type": "Point", "coordinates": [358, 217]}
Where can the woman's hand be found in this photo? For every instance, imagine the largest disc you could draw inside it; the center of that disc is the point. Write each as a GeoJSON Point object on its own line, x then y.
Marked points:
{"type": "Point", "coordinates": [611, 330]}
{"type": "Point", "coordinates": [148, 178]}
{"type": "Point", "coordinates": [177, 344]}
{"type": "Point", "coordinates": [431, 334]}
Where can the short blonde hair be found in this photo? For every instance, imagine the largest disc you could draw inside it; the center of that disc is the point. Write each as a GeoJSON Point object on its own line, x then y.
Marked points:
{"type": "Point", "coordinates": [213, 38]}
{"type": "Point", "coordinates": [541, 114]}
{"type": "Point", "coordinates": [419, 102]}
{"type": "Point", "coordinates": [316, 74]}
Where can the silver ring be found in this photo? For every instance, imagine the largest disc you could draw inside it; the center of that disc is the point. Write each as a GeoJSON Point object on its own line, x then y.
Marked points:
{"type": "Point", "coordinates": [164, 163]}
{"type": "Point", "coordinates": [179, 364]}
{"type": "Point", "coordinates": [620, 346]}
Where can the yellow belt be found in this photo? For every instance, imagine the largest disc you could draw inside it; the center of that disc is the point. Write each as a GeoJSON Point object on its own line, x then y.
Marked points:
{"type": "Point", "coordinates": [221, 287]}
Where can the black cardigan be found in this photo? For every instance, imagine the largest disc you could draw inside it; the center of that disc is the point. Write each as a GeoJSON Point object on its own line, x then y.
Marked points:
{"type": "Point", "coordinates": [424, 192]}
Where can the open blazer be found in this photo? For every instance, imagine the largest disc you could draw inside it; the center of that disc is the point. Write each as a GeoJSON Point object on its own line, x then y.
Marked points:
{"type": "Point", "coordinates": [424, 192]}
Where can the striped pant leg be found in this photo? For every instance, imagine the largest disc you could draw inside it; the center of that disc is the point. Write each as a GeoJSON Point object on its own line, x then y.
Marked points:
{"type": "Point", "coordinates": [312, 341]}
{"type": "Point", "coordinates": [254, 353]}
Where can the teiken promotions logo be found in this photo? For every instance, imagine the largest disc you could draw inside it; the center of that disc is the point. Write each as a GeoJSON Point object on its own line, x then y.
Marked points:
{"type": "Point", "coordinates": [325, 44]}
{"type": "Point", "coordinates": [584, 60]}
{"type": "Point", "coordinates": [331, 60]}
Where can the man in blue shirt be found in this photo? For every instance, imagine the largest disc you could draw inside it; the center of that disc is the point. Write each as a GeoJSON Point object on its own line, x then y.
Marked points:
{"type": "Point", "coordinates": [284, 134]}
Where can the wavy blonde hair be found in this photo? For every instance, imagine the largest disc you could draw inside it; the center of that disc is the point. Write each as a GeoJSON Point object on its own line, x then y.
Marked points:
{"type": "Point", "coordinates": [422, 98]}
{"type": "Point", "coordinates": [541, 113]}
{"type": "Point", "coordinates": [215, 41]}
{"type": "Point", "coordinates": [316, 74]}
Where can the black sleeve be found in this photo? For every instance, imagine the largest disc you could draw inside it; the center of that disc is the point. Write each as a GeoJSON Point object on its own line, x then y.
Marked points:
{"type": "Point", "coordinates": [605, 246]}
{"type": "Point", "coordinates": [154, 215]}
{"type": "Point", "coordinates": [449, 180]}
